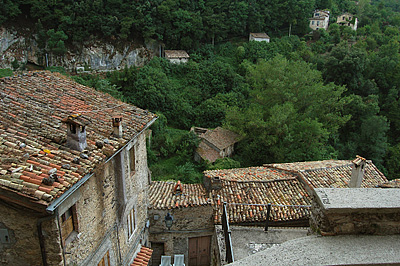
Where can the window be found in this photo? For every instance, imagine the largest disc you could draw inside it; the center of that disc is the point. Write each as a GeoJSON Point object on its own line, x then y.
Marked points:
{"type": "Point", "coordinates": [69, 223]}
{"type": "Point", "coordinates": [313, 22]}
{"type": "Point", "coordinates": [317, 23]}
{"type": "Point", "coordinates": [105, 261]}
{"type": "Point", "coordinates": [131, 222]}
{"type": "Point", "coordinates": [132, 159]}
{"type": "Point", "coordinates": [349, 18]}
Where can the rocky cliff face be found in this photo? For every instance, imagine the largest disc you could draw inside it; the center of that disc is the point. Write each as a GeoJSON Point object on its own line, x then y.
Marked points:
{"type": "Point", "coordinates": [92, 55]}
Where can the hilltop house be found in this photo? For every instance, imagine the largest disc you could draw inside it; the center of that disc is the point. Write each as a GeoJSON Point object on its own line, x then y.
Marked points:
{"type": "Point", "coordinates": [259, 37]}
{"type": "Point", "coordinates": [176, 56]}
{"type": "Point", "coordinates": [215, 143]}
{"type": "Point", "coordinates": [348, 20]}
{"type": "Point", "coordinates": [73, 174]}
{"type": "Point", "coordinates": [320, 20]}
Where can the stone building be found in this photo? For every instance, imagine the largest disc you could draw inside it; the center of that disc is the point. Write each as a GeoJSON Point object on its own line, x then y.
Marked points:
{"type": "Point", "coordinates": [348, 20]}
{"type": "Point", "coordinates": [259, 37]}
{"type": "Point", "coordinates": [320, 20]}
{"type": "Point", "coordinates": [214, 143]}
{"type": "Point", "coordinates": [191, 232]}
{"type": "Point", "coordinates": [176, 56]}
{"type": "Point", "coordinates": [287, 186]}
{"type": "Point", "coordinates": [73, 174]}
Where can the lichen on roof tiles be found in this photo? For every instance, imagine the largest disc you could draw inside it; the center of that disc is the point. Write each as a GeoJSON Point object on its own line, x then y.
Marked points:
{"type": "Point", "coordinates": [162, 195]}
{"type": "Point", "coordinates": [247, 201]}
{"type": "Point", "coordinates": [220, 137]}
{"type": "Point", "coordinates": [249, 174]}
{"type": "Point", "coordinates": [32, 135]}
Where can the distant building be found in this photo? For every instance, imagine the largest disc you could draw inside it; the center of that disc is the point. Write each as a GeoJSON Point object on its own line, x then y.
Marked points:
{"type": "Point", "coordinates": [259, 37]}
{"type": "Point", "coordinates": [348, 20]}
{"type": "Point", "coordinates": [215, 143]}
{"type": "Point", "coordinates": [177, 56]}
{"type": "Point", "coordinates": [320, 20]}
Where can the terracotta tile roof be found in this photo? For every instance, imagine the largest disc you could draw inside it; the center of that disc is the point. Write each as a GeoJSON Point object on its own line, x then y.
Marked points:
{"type": "Point", "coordinates": [32, 136]}
{"type": "Point", "coordinates": [332, 173]}
{"type": "Point", "coordinates": [259, 35]}
{"type": "Point", "coordinates": [171, 54]}
{"type": "Point", "coordinates": [260, 173]}
{"type": "Point", "coordinates": [220, 137]}
{"type": "Point", "coordinates": [207, 153]}
{"type": "Point", "coordinates": [297, 166]}
{"type": "Point", "coordinates": [276, 192]}
{"type": "Point", "coordinates": [395, 183]}
{"type": "Point", "coordinates": [280, 184]}
{"type": "Point", "coordinates": [162, 195]}
{"type": "Point", "coordinates": [143, 257]}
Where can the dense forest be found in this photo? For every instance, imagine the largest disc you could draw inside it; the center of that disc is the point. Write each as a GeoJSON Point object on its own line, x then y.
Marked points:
{"type": "Point", "coordinates": [308, 96]}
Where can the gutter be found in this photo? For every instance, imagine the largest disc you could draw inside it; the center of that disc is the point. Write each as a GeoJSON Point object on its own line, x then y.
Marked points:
{"type": "Point", "coordinates": [56, 203]}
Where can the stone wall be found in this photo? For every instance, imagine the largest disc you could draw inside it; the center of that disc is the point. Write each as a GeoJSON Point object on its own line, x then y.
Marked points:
{"type": "Point", "coordinates": [371, 211]}
{"type": "Point", "coordinates": [23, 248]}
{"type": "Point", "coordinates": [101, 229]}
{"type": "Point", "coordinates": [92, 55]}
{"type": "Point", "coordinates": [188, 223]}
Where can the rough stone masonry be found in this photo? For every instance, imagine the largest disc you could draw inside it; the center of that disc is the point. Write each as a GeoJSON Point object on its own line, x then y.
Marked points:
{"type": "Point", "coordinates": [372, 211]}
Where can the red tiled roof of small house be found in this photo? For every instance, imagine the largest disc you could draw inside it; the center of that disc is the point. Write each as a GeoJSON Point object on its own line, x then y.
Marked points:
{"type": "Point", "coordinates": [260, 173]}
{"type": "Point", "coordinates": [207, 153]}
{"type": "Point", "coordinates": [163, 196]}
{"type": "Point", "coordinates": [332, 173]}
{"type": "Point", "coordinates": [220, 137]}
{"type": "Point", "coordinates": [395, 183]}
{"type": "Point", "coordinates": [280, 184]}
{"type": "Point", "coordinates": [173, 54]}
{"type": "Point", "coordinates": [259, 35]}
{"type": "Point", "coordinates": [32, 135]}
{"type": "Point", "coordinates": [297, 166]}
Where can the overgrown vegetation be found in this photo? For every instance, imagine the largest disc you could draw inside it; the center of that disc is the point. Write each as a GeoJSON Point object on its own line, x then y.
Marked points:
{"type": "Point", "coordinates": [332, 94]}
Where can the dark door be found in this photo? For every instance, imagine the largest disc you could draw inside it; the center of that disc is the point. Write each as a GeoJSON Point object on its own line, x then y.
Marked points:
{"type": "Point", "coordinates": [158, 251]}
{"type": "Point", "coordinates": [199, 251]}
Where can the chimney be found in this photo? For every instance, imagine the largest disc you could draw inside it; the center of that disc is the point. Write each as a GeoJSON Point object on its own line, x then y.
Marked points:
{"type": "Point", "coordinates": [117, 126]}
{"type": "Point", "coordinates": [178, 189]}
{"type": "Point", "coordinates": [357, 172]}
{"type": "Point", "coordinates": [76, 131]}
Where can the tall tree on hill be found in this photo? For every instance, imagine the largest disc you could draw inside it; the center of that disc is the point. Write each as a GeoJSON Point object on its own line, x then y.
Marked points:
{"type": "Point", "coordinates": [292, 116]}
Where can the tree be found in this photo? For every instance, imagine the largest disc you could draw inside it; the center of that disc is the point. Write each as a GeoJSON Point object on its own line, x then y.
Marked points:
{"type": "Point", "coordinates": [292, 115]}
{"type": "Point", "coordinates": [55, 42]}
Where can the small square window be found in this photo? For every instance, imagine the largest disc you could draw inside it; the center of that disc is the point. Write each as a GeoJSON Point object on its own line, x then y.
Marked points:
{"type": "Point", "coordinates": [132, 158]}
{"type": "Point", "coordinates": [131, 224]}
{"type": "Point", "coordinates": [69, 223]}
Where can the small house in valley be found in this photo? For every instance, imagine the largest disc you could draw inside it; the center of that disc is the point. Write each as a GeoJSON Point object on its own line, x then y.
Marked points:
{"type": "Point", "coordinates": [177, 56]}
{"type": "Point", "coordinates": [215, 143]}
{"type": "Point", "coordinates": [73, 174]}
{"type": "Point", "coordinates": [259, 37]}
{"type": "Point", "coordinates": [320, 20]}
